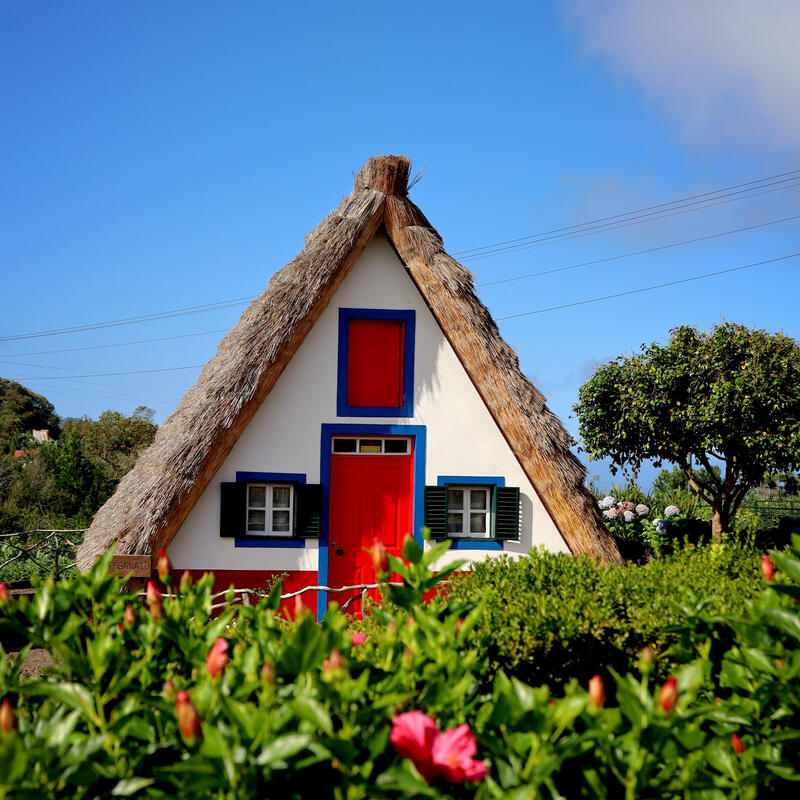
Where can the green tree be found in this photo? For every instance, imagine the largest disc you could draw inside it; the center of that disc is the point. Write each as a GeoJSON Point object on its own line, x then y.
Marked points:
{"type": "Point", "coordinates": [676, 480]}
{"type": "Point", "coordinates": [115, 441]}
{"type": "Point", "coordinates": [22, 411]}
{"type": "Point", "coordinates": [730, 396]}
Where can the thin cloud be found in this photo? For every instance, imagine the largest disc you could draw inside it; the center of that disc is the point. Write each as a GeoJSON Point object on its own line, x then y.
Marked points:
{"type": "Point", "coordinates": [726, 71]}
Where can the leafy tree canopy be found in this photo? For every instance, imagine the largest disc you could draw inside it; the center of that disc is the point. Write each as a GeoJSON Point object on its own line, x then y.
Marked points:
{"type": "Point", "coordinates": [730, 396]}
{"type": "Point", "coordinates": [22, 411]}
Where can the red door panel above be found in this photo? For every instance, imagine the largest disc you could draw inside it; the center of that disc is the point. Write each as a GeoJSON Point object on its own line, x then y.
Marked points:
{"type": "Point", "coordinates": [375, 362]}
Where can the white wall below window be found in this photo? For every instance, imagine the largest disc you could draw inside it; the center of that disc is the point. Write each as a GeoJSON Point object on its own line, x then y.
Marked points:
{"type": "Point", "coordinates": [284, 435]}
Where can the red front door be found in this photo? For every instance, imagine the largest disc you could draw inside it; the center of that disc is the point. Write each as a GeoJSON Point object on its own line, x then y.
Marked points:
{"type": "Point", "coordinates": [371, 496]}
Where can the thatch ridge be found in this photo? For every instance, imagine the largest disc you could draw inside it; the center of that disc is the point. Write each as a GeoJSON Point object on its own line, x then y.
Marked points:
{"type": "Point", "coordinates": [155, 497]}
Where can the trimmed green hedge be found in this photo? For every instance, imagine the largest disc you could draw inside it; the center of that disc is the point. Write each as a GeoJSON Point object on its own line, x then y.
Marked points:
{"type": "Point", "coordinates": [549, 618]}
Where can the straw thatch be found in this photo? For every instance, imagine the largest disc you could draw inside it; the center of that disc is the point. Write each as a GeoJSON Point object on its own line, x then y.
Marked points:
{"type": "Point", "coordinates": [155, 497]}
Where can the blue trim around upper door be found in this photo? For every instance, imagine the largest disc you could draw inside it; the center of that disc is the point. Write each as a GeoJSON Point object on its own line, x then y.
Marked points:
{"type": "Point", "coordinates": [472, 480]}
{"type": "Point", "coordinates": [329, 430]}
{"type": "Point", "coordinates": [273, 541]}
{"type": "Point", "coordinates": [407, 407]}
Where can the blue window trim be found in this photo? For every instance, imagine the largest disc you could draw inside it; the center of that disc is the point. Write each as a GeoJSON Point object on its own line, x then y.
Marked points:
{"type": "Point", "coordinates": [328, 431]}
{"type": "Point", "coordinates": [472, 480]}
{"type": "Point", "coordinates": [271, 477]}
{"type": "Point", "coordinates": [277, 541]}
{"type": "Point", "coordinates": [407, 407]}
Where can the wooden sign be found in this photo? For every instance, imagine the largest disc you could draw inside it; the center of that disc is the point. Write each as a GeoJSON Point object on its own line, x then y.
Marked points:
{"type": "Point", "coordinates": [138, 566]}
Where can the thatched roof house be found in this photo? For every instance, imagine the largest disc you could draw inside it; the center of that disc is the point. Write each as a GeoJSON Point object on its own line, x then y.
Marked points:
{"type": "Point", "coordinates": [193, 447]}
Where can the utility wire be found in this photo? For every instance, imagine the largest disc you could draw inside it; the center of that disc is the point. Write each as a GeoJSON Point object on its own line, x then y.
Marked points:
{"type": "Point", "coordinates": [178, 312]}
{"type": "Point", "coordinates": [115, 344]}
{"type": "Point", "coordinates": [508, 316]}
{"type": "Point", "coordinates": [572, 231]}
{"type": "Point", "coordinates": [793, 172]}
{"type": "Point", "coordinates": [107, 374]}
{"type": "Point", "coordinates": [648, 288]}
{"type": "Point", "coordinates": [615, 226]}
{"type": "Point", "coordinates": [637, 252]}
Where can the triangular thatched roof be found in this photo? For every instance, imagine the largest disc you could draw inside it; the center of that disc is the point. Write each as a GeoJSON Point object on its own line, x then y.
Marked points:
{"type": "Point", "coordinates": [155, 497]}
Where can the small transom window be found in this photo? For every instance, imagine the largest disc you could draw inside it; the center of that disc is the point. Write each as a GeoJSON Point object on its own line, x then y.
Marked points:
{"type": "Point", "coordinates": [269, 509]}
{"type": "Point", "coordinates": [468, 510]}
{"type": "Point", "coordinates": [383, 446]}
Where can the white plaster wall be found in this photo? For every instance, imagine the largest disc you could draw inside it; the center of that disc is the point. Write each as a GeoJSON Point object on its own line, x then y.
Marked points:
{"type": "Point", "coordinates": [284, 435]}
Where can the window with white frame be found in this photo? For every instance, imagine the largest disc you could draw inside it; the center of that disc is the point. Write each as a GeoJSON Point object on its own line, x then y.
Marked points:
{"type": "Point", "coordinates": [468, 511]}
{"type": "Point", "coordinates": [270, 509]}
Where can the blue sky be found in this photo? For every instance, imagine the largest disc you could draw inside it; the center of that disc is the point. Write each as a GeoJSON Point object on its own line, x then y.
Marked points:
{"type": "Point", "coordinates": [162, 156]}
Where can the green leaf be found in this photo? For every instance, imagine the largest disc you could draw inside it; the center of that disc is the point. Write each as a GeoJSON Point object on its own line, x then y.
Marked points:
{"type": "Point", "coordinates": [787, 564]}
{"type": "Point", "coordinates": [309, 709]}
{"type": "Point", "coordinates": [283, 747]}
{"type": "Point", "coordinates": [412, 552]}
{"type": "Point", "coordinates": [404, 780]}
{"type": "Point", "coordinates": [129, 786]}
{"type": "Point", "coordinates": [786, 621]}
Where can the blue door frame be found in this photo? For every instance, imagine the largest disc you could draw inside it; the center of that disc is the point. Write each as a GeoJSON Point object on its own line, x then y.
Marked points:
{"type": "Point", "coordinates": [332, 429]}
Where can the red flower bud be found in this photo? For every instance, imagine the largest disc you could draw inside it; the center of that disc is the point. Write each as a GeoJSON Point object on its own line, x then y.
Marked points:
{"type": "Point", "coordinates": [767, 568]}
{"type": "Point", "coordinates": [299, 607]}
{"type": "Point", "coordinates": [129, 616]}
{"type": "Point", "coordinates": [169, 690]}
{"type": "Point", "coordinates": [597, 694]}
{"type": "Point", "coordinates": [5, 597]}
{"type": "Point", "coordinates": [8, 719]}
{"type": "Point", "coordinates": [358, 638]}
{"type": "Point", "coordinates": [186, 581]}
{"type": "Point", "coordinates": [217, 657]}
{"type": "Point", "coordinates": [164, 567]}
{"type": "Point", "coordinates": [188, 719]}
{"type": "Point", "coordinates": [737, 743]}
{"type": "Point", "coordinates": [333, 663]}
{"type": "Point", "coordinates": [459, 625]}
{"type": "Point", "coordinates": [668, 694]}
{"type": "Point", "coordinates": [154, 600]}
{"type": "Point", "coordinates": [268, 672]}
{"type": "Point", "coordinates": [380, 559]}
{"type": "Point", "coordinates": [120, 626]}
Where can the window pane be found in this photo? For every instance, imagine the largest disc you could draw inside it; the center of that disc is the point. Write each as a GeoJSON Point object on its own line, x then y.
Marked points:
{"type": "Point", "coordinates": [369, 445]}
{"type": "Point", "coordinates": [455, 498]}
{"type": "Point", "coordinates": [477, 499]}
{"type": "Point", "coordinates": [280, 521]}
{"type": "Point", "coordinates": [477, 523]}
{"type": "Point", "coordinates": [255, 520]}
{"type": "Point", "coordinates": [455, 523]}
{"type": "Point", "coordinates": [258, 496]}
{"type": "Point", "coordinates": [395, 446]}
{"type": "Point", "coordinates": [280, 497]}
{"type": "Point", "coordinates": [344, 445]}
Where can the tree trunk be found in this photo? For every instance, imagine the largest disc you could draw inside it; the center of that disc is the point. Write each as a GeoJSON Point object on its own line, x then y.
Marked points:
{"type": "Point", "coordinates": [720, 519]}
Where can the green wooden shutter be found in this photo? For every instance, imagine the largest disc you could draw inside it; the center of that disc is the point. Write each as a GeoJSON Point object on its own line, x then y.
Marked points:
{"type": "Point", "coordinates": [308, 510]}
{"type": "Point", "coordinates": [436, 511]}
{"type": "Point", "coordinates": [505, 512]}
{"type": "Point", "coordinates": [233, 510]}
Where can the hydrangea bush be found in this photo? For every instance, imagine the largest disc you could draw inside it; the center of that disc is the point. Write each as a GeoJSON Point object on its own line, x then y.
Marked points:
{"type": "Point", "coordinates": [152, 697]}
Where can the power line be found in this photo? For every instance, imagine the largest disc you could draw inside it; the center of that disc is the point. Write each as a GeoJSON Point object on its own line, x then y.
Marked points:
{"type": "Point", "coordinates": [178, 312]}
{"type": "Point", "coordinates": [615, 226]}
{"type": "Point", "coordinates": [115, 344]}
{"type": "Point", "coordinates": [648, 288]}
{"type": "Point", "coordinates": [107, 374]}
{"type": "Point", "coordinates": [630, 213]}
{"type": "Point", "coordinates": [637, 252]}
{"type": "Point", "coordinates": [562, 234]}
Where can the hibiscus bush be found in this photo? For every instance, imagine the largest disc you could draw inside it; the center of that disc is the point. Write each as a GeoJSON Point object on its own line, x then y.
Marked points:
{"type": "Point", "coordinates": [153, 697]}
